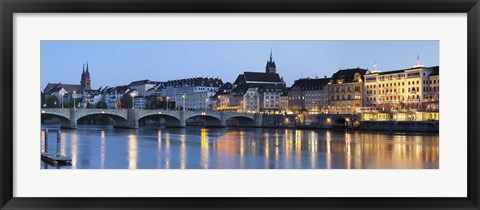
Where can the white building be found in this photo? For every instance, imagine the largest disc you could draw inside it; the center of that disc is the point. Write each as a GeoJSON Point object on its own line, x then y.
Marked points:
{"type": "Point", "coordinates": [195, 93]}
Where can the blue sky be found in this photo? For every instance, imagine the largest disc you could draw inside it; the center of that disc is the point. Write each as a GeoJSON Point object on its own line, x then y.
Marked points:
{"type": "Point", "coordinates": [121, 62]}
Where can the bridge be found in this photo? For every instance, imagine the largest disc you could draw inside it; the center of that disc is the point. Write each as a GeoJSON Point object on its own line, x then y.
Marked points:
{"type": "Point", "coordinates": [129, 118]}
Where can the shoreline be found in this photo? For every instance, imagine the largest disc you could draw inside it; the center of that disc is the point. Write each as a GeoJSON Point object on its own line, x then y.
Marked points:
{"type": "Point", "coordinates": [377, 126]}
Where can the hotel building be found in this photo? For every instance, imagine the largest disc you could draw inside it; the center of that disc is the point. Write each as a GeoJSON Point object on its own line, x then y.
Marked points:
{"type": "Point", "coordinates": [402, 94]}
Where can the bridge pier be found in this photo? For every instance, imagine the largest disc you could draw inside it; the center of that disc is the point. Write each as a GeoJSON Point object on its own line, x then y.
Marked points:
{"type": "Point", "coordinates": [258, 118]}
{"type": "Point", "coordinates": [72, 123]}
{"type": "Point", "coordinates": [183, 121]}
{"type": "Point", "coordinates": [223, 120]}
{"type": "Point", "coordinates": [132, 118]}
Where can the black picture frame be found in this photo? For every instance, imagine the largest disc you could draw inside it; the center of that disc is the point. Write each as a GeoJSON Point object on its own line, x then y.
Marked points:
{"type": "Point", "coordinates": [9, 7]}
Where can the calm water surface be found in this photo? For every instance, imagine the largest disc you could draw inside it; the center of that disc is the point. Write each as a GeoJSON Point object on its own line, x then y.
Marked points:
{"type": "Point", "coordinates": [103, 147]}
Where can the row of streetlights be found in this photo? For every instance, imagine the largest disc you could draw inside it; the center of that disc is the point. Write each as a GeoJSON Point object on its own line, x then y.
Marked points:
{"type": "Point", "coordinates": [133, 101]}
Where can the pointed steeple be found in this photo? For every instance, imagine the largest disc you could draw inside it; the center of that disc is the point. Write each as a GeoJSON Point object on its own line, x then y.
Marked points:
{"type": "Point", "coordinates": [83, 72]}
{"type": "Point", "coordinates": [87, 69]}
{"type": "Point", "coordinates": [270, 54]}
{"type": "Point", "coordinates": [271, 68]}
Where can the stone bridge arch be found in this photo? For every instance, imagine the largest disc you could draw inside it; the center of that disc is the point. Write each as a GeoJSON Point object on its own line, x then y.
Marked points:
{"type": "Point", "coordinates": [117, 113]}
{"type": "Point", "coordinates": [63, 118]}
{"type": "Point", "coordinates": [171, 120]}
{"type": "Point", "coordinates": [240, 120]}
{"type": "Point", "coordinates": [120, 119]}
{"type": "Point", "coordinates": [210, 119]}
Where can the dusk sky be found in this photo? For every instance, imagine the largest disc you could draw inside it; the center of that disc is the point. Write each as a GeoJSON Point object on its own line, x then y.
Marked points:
{"type": "Point", "coordinates": [115, 63]}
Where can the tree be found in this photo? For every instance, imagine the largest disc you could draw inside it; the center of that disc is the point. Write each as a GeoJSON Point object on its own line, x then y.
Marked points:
{"type": "Point", "coordinates": [51, 102]}
{"type": "Point", "coordinates": [89, 104]}
{"type": "Point", "coordinates": [126, 101]}
{"type": "Point", "coordinates": [155, 102]}
{"type": "Point", "coordinates": [101, 105]}
{"type": "Point", "coordinates": [70, 103]}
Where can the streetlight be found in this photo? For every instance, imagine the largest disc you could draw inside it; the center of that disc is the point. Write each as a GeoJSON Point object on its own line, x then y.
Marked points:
{"type": "Point", "coordinates": [73, 99]}
{"type": "Point", "coordinates": [167, 103]}
{"type": "Point", "coordinates": [183, 108]}
{"type": "Point", "coordinates": [206, 104]}
{"type": "Point", "coordinates": [133, 99]}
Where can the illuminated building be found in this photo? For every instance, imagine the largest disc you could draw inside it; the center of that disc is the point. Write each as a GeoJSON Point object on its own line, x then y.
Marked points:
{"type": "Point", "coordinates": [346, 91]}
{"type": "Point", "coordinates": [310, 94]}
{"type": "Point", "coordinates": [258, 91]}
{"type": "Point", "coordinates": [402, 94]}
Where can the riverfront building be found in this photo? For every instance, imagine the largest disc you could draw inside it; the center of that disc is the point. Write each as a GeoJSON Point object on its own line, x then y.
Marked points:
{"type": "Point", "coordinates": [258, 91]}
{"type": "Point", "coordinates": [310, 95]}
{"type": "Point", "coordinates": [193, 93]}
{"type": "Point", "coordinates": [346, 91]}
{"type": "Point", "coordinates": [64, 93]}
{"type": "Point", "coordinates": [222, 97]}
{"type": "Point", "coordinates": [402, 94]}
{"type": "Point", "coordinates": [142, 86]}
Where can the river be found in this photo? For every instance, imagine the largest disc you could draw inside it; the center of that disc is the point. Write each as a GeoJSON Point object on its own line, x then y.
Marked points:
{"type": "Point", "coordinates": [104, 147]}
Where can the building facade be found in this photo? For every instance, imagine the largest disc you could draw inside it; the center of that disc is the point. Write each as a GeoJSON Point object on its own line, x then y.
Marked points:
{"type": "Point", "coordinates": [346, 91]}
{"type": "Point", "coordinates": [432, 92]}
{"type": "Point", "coordinates": [402, 95]}
{"type": "Point", "coordinates": [401, 89]}
{"type": "Point", "coordinates": [269, 87]}
{"type": "Point", "coordinates": [142, 86]}
{"type": "Point", "coordinates": [309, 94]}
{"type": "Point", "coordinates": [195, 93]}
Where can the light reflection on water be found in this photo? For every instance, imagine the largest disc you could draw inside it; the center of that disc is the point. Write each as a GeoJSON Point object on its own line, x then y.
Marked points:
{"type": "Point", "coordinates": [94, 147]}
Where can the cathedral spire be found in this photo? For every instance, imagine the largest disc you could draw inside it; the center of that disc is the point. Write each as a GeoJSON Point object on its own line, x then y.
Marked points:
{"type": "Point", "coordinates": [270, 54]}
{"type": "Point", "coordinates": [271, 68]}
{"type": "Point", "coordinates": [87, 68]}
{"type": "Point", "coordinates": [83, 69]}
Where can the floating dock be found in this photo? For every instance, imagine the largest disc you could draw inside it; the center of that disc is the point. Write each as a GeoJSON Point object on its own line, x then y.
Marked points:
{"type": "Point", "coordinates": [55, 160]}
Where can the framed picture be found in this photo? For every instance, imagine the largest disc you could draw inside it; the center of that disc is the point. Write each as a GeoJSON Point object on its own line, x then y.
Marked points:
{"type": "Point", "coordinates": [239, 105]}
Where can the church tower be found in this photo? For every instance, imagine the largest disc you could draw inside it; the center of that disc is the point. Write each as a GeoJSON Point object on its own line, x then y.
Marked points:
{"type": "Point", "coordinates": [85, 82]}
{"type": "Point", "coordinates": [271, 68]}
